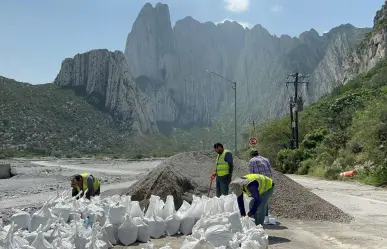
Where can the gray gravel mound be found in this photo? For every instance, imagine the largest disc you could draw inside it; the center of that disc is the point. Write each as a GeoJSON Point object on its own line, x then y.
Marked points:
{"type": "Point", "coordinates": [163, 181]}
{"type": "Point", "coordinates": [290, 199]}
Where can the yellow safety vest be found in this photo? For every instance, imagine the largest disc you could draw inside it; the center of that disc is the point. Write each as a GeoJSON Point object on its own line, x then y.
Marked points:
{"type": "Point", "coordinates": [96, 183]}
{"type": "Point", "coordinates": [265, 183]}
{"type": "Point", "coordinates": [222, 167]}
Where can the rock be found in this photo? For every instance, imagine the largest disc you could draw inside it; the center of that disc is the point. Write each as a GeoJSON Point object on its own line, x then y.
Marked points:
{"type": "Point", "coordinates": [169, 65]}
{"type": "Point", "coordinates": [5, 171]}
{"type": "Point", "coordinates": [103, 78]}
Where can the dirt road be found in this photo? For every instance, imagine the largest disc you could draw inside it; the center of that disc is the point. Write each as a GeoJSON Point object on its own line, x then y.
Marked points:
{"type": "Point", "coordinates": [368, 230]}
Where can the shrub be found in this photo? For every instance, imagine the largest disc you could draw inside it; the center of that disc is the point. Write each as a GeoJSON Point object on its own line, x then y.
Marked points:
{"type": "Point", "coordinates": [289, 160]}
{"type": "Point", "coordinates": [305, 166]}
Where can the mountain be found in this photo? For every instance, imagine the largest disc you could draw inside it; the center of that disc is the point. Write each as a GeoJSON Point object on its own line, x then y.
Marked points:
{"type": "Point", "coordinates": [102, 77]}
{"type": "Point", "coordinates": [346, 129]}
{"type": "Point", "coordinates": [169, 64]}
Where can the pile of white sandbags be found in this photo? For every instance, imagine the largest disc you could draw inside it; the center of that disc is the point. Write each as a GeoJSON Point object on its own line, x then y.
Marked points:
{"type": "Point", "coordinates": [67, 223]}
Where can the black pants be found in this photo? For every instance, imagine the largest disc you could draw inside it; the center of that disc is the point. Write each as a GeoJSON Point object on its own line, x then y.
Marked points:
{"type": "Point", "coordinates": [96, 193]}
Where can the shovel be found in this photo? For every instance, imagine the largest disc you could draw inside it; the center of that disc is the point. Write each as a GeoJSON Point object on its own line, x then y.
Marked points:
{"type": "Point", "coordinates": [209, 189]}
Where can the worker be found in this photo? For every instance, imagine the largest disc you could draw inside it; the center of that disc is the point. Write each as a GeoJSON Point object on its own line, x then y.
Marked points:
{"type": "Point", "coordinates": [260, 165]}
{"type": "Point", "coordinates": [259, 187]}
{"type": "Point", "coordinates": [224, 169]}
{"type": "Point", "coordinates": [83, 182]}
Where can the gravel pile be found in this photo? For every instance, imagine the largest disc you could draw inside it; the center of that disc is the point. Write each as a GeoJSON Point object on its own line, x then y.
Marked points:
{"type": "Point", "coordinates": [162, 181]}
{"type": "Point", "coordinates": [290, 199]}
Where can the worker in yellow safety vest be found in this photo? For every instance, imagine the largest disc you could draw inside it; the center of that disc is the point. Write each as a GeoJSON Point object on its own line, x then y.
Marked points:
{"type": "Point", "coordinates": [224, 169]}
{"type": "Point", "coordinates": [257, 186]}
{"type": "Point", "coordinates": [83, 182]}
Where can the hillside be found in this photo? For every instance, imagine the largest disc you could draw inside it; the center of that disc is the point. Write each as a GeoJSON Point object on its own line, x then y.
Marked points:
{"type": "Point", "coordinates": [45, 118]}
{"type": "Point", "coordinates": [343, 131]}
{"type": "Point", "coordinates": [346, 129]}
{"type": "Point", "coordinates": [50, 120]}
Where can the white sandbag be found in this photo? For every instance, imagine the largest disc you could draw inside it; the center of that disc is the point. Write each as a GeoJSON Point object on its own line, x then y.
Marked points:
{"type": "Point", "coordinates": [135, 210]}
{"type": "Point", "coordinates": [247, 223]}
{"type": "Point", "coordinates": [186, 220]}
{"type": "Point", "coordinates": [235, 222]}
{"type": "Point", "coordinates": [197, 207]}
{"type": "Point", "coordinates": [40, 242]}
{"type": "Point", "coordinates": [169, 207]}
{"type": "Point", "coordinates": [77, 239]}
{"type": "Point", "coordinates": [172, 224]}
{"type": "Point", "coordinates": [250, 244]}
{"type": "Point", "coordinates": [193, 243]}
{"type": "Point", "coordinates": [128, 231]}
{"type": "Point", "coordinates": [116, 214]}
{"type": "Point", "coordinates": [153, 206]}
{"type": "Point", "coordinates": [143, 230]}
{"type": "Point", "coordinates": [110, 232]}
{"type": "Point", "coordinates": [21, 220]}
{"type": "Point", "coordinates": [62, 210]}
{"type": "Point", "coordinates": [95, 243]}
{"type": "Point", "coordinates": [257, 233]}
{"type": "Point", "coordinates": [211, 220]}
{"type": "Point", "coordinates": [218, 235]}
{"type": "Point", "coordinates": [198, 234]}
{"type": "Point", "coordinates": [41, 217]}
{"type": "Point", "coordinates": [105, 237]}
{"type": "Point", "coordinates": [213, 206]}
{"type": "Point", "coordinates": [156, 226]}
{"type": "Point", "coordinates": [159, 209]}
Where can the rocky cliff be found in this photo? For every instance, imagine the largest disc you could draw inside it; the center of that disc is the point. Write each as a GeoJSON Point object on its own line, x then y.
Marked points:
{"type": "Point", "coordinates": [373, 48]}
{"type": "Point", "coordinates": [170, 65]}
{"type": "Point", "coordinates": [102, 77]}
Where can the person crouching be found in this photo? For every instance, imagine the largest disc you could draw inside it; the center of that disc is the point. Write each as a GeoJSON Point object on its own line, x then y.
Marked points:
{"type": "Point", "coordinates": [83, 182]}
{"type": "Point", "coordinates": [257, 186]}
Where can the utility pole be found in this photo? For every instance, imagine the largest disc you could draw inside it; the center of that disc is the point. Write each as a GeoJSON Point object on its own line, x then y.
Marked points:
{"type": "Point", "coordinates": [296, 105]}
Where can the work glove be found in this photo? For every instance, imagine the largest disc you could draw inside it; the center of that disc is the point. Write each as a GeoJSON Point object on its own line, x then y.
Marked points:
{"type": "Point", "coordinates": [229, 180]}
{"type": "Point", "coordinates": [249, 214]}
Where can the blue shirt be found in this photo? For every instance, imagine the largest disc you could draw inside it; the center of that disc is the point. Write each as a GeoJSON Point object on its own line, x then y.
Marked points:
{"type": "Point", "coordinates": [253, 189]}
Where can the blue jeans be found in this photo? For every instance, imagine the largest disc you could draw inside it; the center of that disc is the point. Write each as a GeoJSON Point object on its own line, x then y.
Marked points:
{"type": "Point", "coordinates": [259, 216]}
{"type": "Point", "coordinates": [222, 185]}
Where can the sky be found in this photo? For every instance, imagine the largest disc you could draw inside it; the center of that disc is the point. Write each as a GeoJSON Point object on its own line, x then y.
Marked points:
{"type": "Point", "coordinates": [36, 35]}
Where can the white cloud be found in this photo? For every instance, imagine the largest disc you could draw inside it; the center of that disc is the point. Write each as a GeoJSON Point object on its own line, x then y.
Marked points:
{"type": "Point", "coordinates": [277, 8]}
{"type": "Point", "coordinates": [237, 5]}
{"type": "Point", "coordinates": [242, 23]}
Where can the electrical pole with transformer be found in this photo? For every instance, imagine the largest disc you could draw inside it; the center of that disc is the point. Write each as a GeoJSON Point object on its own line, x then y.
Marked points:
{"type": "Point", "coordinates": [296, 105]}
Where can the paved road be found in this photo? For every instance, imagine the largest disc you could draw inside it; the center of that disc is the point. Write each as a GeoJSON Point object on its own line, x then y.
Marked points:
{"type": "Point", "coordinates": [368, 206]}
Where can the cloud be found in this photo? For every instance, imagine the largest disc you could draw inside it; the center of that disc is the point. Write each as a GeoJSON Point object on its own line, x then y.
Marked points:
{"type": "Point", "coordinates": [242, 23]}
{"type": "Point", "coordinates": [277, 8]}
{"type": "Point", "coordinates": [237, 5]}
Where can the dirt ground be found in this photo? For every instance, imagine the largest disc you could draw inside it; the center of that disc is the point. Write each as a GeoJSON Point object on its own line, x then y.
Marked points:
{"type": "Point", "coordinates": [368, 230]}
{"type": "Point", "coordinates": [36, 181]}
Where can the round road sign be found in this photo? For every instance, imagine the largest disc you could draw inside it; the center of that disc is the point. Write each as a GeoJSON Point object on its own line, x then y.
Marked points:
{"type": "Point", "coordinates": [253, 141]}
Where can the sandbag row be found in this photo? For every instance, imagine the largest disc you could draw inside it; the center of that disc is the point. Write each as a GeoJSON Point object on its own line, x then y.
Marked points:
{"type": "Point", "coordinates": [101, 223]}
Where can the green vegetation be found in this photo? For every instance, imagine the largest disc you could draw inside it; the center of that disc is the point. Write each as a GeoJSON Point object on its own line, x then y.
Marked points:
{"type": "Point", "coordinates": [343, 131]}
{"type": "Point", "coordinates": [46, 120]}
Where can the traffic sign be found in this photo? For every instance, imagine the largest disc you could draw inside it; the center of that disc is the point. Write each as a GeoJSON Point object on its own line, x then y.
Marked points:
{"type": "Point", "coordinates": [253, 141]}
